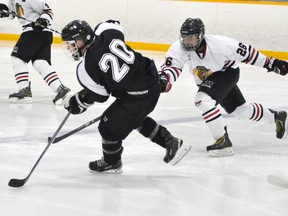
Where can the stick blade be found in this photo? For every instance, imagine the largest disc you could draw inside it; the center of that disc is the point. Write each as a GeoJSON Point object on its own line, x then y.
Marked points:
{"type": "Point", "coordinates": [278, 181]}
{"type": "Point", "coordinates": [16, 182]}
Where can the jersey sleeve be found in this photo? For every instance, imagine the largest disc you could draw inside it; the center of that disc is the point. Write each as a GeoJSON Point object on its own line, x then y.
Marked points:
{"type": "Point", "coordinates": [245, 53]}
{"type": "Point", "coordinates": [42, 8]}
{"type": "Point", "coordinates": [174, 62]}
{"type": "Point", "coordinates": [47, 13]}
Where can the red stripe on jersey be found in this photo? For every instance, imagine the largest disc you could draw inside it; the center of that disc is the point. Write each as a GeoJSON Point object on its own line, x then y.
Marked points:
{"type": "Point", "coordinates": [266, 61]}
{"type": "Point", "coordinates": [251, 56]}
{"type": "Point", "coordinates": [227, 63]}
{"type": "Point", "coordinates": [177, 73]}
{"type": "Point", "coordinates": [49, 12]}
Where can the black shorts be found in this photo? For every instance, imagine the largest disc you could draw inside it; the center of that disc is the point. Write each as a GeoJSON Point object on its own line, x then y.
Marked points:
{"type": "Point", "coordinates": [127, 113]}
{"type": "Point", "coordinates": [34, 45]}
{"type": "Point", "coordinates": [222, 87]}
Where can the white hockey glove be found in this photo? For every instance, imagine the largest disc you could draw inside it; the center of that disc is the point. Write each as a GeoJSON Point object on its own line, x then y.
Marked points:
{"type": "Point", "coordinates": [79, 102]}
{"type": "Point", "coordinates": [277, 66]}
{"type": "Point", "coordinates": [165, 82]}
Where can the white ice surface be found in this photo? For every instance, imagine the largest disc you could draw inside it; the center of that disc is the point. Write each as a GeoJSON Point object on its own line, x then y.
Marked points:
{"type": "Point", "coordinates": [199, 185]}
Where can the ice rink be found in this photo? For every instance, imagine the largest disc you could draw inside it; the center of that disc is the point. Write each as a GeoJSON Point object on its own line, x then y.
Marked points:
{"type": "Point", "coordinates": [199, 185]}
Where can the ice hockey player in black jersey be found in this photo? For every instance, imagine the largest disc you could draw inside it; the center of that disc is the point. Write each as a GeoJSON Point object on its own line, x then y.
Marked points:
{"type": "Point", "coordinates": [33, 45]}
{"type": "Point", "coordinates": [110, 67]}
{"type": "Point", "coordinates": [212, 59]}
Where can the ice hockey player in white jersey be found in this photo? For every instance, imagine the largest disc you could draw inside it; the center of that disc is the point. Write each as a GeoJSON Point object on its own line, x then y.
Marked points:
{"type": "Point", "coordinates": [110, 67]}
{"type": "Point", "coordinates": [33, 45]}
{"type": "Point", "coordinates": [212, 59]}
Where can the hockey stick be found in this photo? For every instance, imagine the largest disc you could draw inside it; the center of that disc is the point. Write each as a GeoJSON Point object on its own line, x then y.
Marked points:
{"type": "Point", "coordinates": [21, 182]}
{"type": "Point", "coordinates": [20, 17]}
{"type": "Point", "coordinates": [277, 181]}
{"type": "Point", "coordinates": [57, 139]}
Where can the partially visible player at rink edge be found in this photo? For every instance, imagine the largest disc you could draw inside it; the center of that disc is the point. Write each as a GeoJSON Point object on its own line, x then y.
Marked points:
{"type": "Point", "coordinates": [110, 67]}
{"type": "Point", "coordinates": [33, 45]}
{"type": "Point", "coordinates": [212, 59]}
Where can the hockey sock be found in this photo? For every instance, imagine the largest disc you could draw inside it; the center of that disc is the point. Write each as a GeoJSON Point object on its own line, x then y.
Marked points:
{"type": "Point", "coordinates": [112, 150]}
{"type": "Point", "coordinates": [254, 112]}
{"type": "Point", "coordinates": [48, 74]}
{"type": "Point", "coordinates": [20, 72]}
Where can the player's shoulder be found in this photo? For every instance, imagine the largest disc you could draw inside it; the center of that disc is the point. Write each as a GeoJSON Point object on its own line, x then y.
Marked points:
{"type": "Point", "coordinates": [109, 25]}
{"type": "Point", "coordinates": [218, 39]}
{"type": "Point", "coordinates": [176, 48]}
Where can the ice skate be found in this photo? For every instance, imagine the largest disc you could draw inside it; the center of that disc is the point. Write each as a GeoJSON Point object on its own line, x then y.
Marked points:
{"type": "Point", "coordinates": [222, 147]}
{"type": "Point", "coordinates": [62, 93]}
{"type": "Point", "coordinates": [281, 124]}
{"type": "Point", "coordinates": [175, 150]}
{"type": "Point", "coordinates": [24, 95]}
{"type": "Point", "coordinates": [102, 166]}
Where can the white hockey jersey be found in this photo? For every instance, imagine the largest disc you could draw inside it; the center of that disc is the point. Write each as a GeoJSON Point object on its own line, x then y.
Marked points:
{"type": "Point", "coordinates": [220, 53]}
{"type": "Point", "coordinates": [30, 10]}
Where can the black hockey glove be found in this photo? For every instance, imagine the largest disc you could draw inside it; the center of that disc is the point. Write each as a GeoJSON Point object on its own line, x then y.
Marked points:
{"type": "Point", "coordinates": [4, 10]}
{"type": "Point", "coordinates": [277, 66]}
{"type": "Point", "coordinates": [40, 24]}
{"type": "Point", "coordinates": [79, 102]}
{"type": "Point", "coordinates": [164, 82]}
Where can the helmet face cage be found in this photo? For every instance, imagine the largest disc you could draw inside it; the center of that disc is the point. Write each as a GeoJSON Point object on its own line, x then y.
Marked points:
{"type": "Point", "coordinates": [73, 31]}
{"type": "Point", "coordinates": [191, 34]}
{"type": "Point", "coordinates": [71, 50]}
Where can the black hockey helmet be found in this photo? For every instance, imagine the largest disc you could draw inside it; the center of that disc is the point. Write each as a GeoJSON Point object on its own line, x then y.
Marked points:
{"type": "Point", "coordinates": [77, 30]}
{"type": "Point", "coordinates": [192, 33]}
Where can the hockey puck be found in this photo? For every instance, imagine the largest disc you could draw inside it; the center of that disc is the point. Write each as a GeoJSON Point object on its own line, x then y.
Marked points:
{"type": "Point", "coordinates": [278, 181]}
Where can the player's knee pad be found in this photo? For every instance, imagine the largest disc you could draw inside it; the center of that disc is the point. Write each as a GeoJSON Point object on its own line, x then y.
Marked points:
{"type": "Point", "coordinates": [204, 102]}
{"type": "Point", "coordinates": [244, 111]}
{"type": "Point", "coordinates": [149, 128]}
{"type": "Point", "coordinates": [19, 65]}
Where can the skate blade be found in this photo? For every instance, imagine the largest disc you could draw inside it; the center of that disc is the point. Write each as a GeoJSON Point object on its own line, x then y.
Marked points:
{"type": "Point", "coordinates": [24, 100]}
{"type": "Point", "coordinates": [181, 153]}
{"type": "Point", "coordinates": [221, 152]}
{"type": "Point", "coordinates": [112, 171]}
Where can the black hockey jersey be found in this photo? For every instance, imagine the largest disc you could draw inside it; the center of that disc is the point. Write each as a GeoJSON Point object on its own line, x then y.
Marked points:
{"type": "Point", "coordinates": [111, 67]}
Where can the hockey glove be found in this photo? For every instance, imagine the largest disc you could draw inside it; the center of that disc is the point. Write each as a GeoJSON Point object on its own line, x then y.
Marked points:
{"type": "Point", "coordinates": [164, 82]}
{"type": "Point", "coordinates": [40, 24]}
{"type": "Point", "coordinates": [277, 66]}
{"type": "Point", "coordinates": [79, 102]}
{"type": "Point", "coordinates": [4, 11]}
